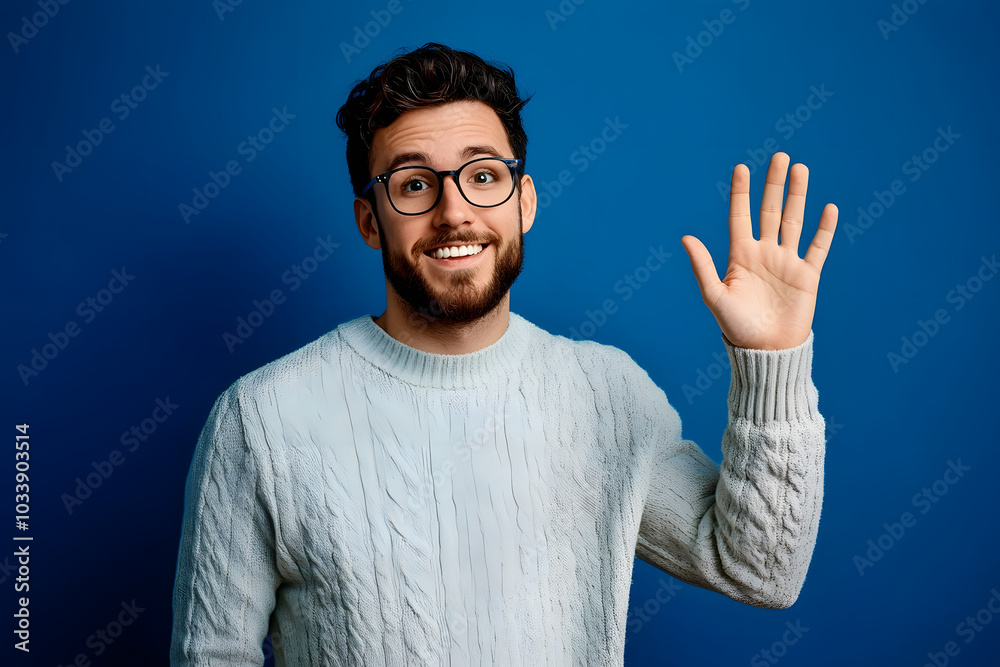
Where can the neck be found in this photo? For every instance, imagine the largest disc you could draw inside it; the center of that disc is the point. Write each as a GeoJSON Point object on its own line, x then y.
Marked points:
{"type": "Point", "coordinates": [438, 336]}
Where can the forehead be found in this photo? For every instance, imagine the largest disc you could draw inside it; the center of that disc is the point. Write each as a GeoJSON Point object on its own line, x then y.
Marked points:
{"type": "Point", "coordinates": [441, 132]}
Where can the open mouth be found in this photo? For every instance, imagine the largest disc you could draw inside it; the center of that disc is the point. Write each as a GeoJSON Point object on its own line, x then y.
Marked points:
{"type": "Point", "coordinates": [455, 251]}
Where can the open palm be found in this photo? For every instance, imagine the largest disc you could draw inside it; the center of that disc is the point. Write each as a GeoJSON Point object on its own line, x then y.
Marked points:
{"type": "Point", "coordinates": [767, 298]}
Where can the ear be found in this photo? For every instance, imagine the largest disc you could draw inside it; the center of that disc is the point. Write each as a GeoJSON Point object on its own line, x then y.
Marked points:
{"type": "Point", "coordinates": [529, 202]}
{"type": "Point", "coordinates": [365, 219]}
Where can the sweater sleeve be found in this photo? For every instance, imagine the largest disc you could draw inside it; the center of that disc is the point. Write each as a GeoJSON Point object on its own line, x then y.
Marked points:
{"type": "Point", "coordinates": [746, 529]}
{"type": "Point", "coordinates": [226, 574]}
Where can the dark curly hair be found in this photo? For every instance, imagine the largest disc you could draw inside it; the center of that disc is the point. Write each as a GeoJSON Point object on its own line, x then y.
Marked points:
{"type": "Point", "coordinates": [432, 74]}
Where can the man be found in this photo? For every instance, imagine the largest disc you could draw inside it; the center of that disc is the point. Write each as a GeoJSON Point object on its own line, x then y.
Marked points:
{"type": "Point", "coordinates": [447, 483]}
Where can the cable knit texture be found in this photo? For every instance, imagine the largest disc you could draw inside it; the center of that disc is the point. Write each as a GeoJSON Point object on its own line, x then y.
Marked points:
{"type": "Point", "coordinates": [371, 504]}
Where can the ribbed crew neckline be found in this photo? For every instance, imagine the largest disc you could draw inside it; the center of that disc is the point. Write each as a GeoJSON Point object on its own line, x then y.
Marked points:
{"type": "Point", "coordinates": [446, 371]}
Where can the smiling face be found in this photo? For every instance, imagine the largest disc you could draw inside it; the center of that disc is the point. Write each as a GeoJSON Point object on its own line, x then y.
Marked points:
{"type": "Point", "coordinates": [457, 261]}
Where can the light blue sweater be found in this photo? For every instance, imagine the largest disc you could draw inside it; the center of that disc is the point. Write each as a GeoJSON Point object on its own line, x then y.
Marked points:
{"type": "Point", "coordinates": [372, 504]}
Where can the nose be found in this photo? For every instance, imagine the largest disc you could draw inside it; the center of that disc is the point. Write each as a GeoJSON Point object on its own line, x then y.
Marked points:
{"type": "Point", "coordinates": [453, 210]}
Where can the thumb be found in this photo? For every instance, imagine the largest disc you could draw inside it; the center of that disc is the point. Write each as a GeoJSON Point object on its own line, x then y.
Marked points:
{"type": "Point", "coordinates": [702, 265]}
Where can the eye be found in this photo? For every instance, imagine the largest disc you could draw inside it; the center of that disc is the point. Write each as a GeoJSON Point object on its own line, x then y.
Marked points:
{"type": "Point", "coordinates": [414, 185]}
{"type": "Point", "coordinates": [484, 177]}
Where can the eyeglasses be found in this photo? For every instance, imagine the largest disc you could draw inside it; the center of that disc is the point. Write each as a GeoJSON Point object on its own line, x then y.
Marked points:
{"type": "Point", "coordinates": [483, 182]}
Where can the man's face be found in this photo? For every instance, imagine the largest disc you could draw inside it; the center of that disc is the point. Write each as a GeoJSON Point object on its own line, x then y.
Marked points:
{"type": "Point", "coordinates": [464, 288]}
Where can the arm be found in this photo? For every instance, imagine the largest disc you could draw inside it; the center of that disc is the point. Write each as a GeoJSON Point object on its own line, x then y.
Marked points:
{"type": "Point", "coordinates": [226, 573]}
{"type": "Point", "coordinates": [747, 529]}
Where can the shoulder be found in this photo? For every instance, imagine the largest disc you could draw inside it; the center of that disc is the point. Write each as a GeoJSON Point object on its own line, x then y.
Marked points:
{"type": "Point", "coordinates": [609, 373]}
{"type": "Point", "coordinates": [294, 373]}
{"type": "Point", "coordinates": [562, 355]}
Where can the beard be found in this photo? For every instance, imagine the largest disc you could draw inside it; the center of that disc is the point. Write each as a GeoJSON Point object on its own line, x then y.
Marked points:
{"type": "Point", "coordinates": [461, 300]}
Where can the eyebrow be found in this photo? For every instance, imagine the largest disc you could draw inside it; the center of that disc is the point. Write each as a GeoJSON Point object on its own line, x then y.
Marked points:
{"type": "Point", "coordinates": [421, 158]}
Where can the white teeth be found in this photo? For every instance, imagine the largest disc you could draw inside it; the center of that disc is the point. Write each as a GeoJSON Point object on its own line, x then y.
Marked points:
{"type": "Point", "coordinates": [456, 251]}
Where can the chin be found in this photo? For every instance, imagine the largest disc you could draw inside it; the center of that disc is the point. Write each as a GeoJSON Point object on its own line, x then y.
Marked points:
{"type": "Point", "coordinates": [461, 295]}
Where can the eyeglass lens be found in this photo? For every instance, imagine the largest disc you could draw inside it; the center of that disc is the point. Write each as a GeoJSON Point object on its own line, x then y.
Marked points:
{"type": "Point", "coordinates": [414, 190]}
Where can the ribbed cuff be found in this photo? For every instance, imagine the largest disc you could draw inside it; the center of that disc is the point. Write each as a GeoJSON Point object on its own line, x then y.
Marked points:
{"type": "Point", "coordinates": [772, 384]}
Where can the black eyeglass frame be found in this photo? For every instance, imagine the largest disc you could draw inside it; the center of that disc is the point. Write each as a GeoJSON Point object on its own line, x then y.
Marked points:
{"type": "Point", "coordinates": [514, 164]}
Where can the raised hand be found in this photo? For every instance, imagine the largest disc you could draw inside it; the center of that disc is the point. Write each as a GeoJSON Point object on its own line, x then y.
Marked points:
{"type": "Point", "coordinates": [767, 299]}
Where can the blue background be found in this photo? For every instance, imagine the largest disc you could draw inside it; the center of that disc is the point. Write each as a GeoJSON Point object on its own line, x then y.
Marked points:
{"type": "Point", "coordinates": [892, 431]}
